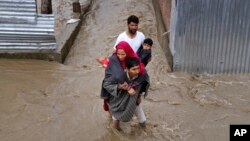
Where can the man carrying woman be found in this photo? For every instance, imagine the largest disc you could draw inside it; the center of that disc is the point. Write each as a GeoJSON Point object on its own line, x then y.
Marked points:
{"type": "Point", "coordinates": [125, 80]}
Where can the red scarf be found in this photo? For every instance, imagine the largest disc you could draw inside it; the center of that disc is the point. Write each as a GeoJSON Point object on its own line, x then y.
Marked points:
{"type": "Point", "coordinates": [129, 53]}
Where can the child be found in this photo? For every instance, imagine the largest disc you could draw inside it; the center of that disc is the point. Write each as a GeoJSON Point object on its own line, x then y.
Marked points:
{"type": "Point", "coordinates": [144, 52]}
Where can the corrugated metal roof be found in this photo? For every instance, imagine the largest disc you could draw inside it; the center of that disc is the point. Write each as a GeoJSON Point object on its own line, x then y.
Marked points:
{"type": "Point", "coordinates": [211, 36]}
{"type": "Point", "coordinates": [21, 28]}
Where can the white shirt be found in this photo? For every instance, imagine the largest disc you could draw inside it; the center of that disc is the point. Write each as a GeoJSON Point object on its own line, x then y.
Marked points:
{"type": "Point", "coordinates": [135, 42]}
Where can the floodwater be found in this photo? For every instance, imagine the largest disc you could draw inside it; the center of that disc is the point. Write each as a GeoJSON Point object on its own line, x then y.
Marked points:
{"type": "Point", "coordinates": [48, 101]}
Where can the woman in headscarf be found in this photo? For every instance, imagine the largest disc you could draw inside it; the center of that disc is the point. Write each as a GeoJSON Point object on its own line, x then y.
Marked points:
{"type": "Point", "coordinates": [116, 66]}
{"type": "Point", "coordinates": [114, 74]}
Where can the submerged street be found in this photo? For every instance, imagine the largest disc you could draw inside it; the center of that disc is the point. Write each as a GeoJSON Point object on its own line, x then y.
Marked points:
{"type": "Point", "coordinates": [49, 101]}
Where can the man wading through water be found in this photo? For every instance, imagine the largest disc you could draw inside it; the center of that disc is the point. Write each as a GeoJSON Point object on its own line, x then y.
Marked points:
{"type": "Point", "coordinates": [124, 91]}
{"type": "Point", "coordinates": [132, 36]}
{"type": "Point", "coordinates": [135, 39]}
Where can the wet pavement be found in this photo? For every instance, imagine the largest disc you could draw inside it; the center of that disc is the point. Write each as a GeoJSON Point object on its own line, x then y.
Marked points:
{"type": "Point", "coordinates": [48, 101]}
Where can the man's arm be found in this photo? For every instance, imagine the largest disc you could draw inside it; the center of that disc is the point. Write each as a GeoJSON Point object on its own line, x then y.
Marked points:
{"type": "Point", "coordinates": [142, 38]}
{"type": "Point", "coordinates": [138, 89]}
{"type": "Point", "coordinates": [142, 84]}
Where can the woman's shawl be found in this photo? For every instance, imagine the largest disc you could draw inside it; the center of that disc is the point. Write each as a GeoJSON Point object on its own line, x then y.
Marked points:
{"type": "Point", "coordinates": [113, 74]}
{"type": "Point", "coordinates": [121, 104]}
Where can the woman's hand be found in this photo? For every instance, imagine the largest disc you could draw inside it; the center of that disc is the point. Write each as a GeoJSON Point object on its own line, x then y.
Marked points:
{"type": "Point", "coordinates": [131, 91]}
{"type": "Point", "coordinates": [123, 86]}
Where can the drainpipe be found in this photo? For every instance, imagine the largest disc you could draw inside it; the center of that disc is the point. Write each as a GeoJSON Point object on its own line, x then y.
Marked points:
{"type": "Point", "coordinates": [46, 7]}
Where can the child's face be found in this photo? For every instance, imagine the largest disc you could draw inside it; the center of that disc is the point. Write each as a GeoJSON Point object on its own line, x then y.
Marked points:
{"type": "Point", "coordinates": [146, 46]}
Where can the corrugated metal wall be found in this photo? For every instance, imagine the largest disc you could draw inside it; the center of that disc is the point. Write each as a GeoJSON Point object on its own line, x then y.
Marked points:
{"type": "Point", "coordinates": [23, 30]}
{"type": "Point", "coordinates": [211, 36]}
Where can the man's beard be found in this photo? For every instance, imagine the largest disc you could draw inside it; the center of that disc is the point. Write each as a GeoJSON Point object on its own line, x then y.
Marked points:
{"type": "Point", "coordinates": [132, 31]}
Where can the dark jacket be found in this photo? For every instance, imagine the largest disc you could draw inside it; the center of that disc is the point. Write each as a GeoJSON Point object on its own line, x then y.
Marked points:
{"type": "Point", "coordinates": [114, 74]}
{"type": "Point", "coordinates": [144, 55]}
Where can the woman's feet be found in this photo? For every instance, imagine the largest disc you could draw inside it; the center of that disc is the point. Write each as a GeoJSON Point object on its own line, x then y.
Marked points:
{"type": "Point", "coordinates": [116, 125]}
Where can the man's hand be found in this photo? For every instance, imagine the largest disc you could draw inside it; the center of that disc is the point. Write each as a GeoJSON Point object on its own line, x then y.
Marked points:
{"type": "Point", "coordinates": [131, 91]}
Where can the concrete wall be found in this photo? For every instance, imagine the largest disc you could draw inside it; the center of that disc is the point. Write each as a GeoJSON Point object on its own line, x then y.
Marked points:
{"type": "Point", "coordinates": [165, 9]}
{"type": "Point", "coordinates": [65, 33]}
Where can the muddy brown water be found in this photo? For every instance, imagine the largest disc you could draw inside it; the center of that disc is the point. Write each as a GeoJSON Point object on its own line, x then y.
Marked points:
{"type": "Point", "coordinates": [48, 101]}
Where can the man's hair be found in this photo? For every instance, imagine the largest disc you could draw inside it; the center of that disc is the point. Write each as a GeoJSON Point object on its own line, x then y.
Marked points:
{"type": "Point", "coordinates": [148, 41]}
{"type": "Point", "coordinates": [133, 19]}
{"type": "Point", "coordinates": [131, 62]}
